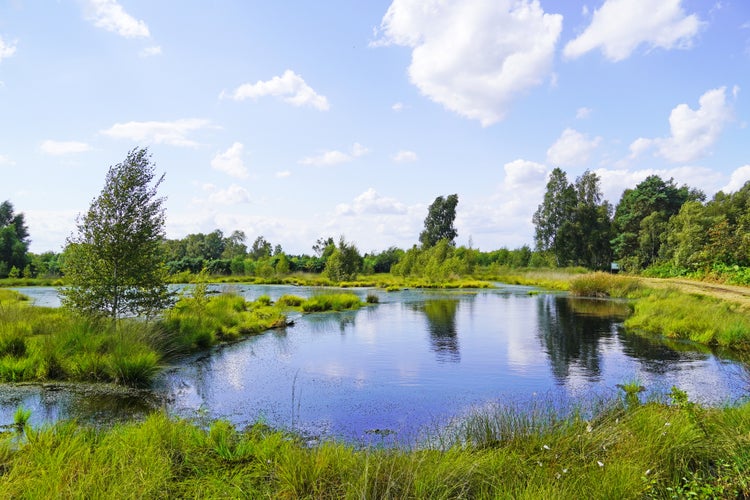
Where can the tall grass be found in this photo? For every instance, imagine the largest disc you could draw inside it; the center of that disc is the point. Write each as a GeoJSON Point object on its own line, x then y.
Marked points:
{"type": "Point", "coordinates": [652, 450]}
{"type": "Point", "coordinates": [604, 285]}
{"type": "Point", "coordinates": [699, 318]}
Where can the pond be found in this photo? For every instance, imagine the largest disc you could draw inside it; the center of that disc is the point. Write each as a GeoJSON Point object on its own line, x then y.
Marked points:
{"type": "Point", "coordinates": [405, 365]}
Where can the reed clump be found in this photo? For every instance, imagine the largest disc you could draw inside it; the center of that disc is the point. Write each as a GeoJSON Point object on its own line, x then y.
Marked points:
{"type": "Point", "coordinates": [604, 285]}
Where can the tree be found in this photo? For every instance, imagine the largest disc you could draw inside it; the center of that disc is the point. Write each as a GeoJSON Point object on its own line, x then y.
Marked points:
{"type": "Point", "coordinates": [438, 225]}
{"type": "Point", "coordinates": [344, 263]}
{"type": "Point", "coordinates": [113, 264]}
{"type": "Point", "coordinates": [573, 223]}
{"type": "Point", "coordinates": [14, 239]}
{"type": "Point", "coordinates": [632, 242]}
{"type": "Point", "coordinates": [261, 248]}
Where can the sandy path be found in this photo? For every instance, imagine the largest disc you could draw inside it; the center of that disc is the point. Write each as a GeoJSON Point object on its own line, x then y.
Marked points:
{"type": "Point", "coordinates": [731, 293]}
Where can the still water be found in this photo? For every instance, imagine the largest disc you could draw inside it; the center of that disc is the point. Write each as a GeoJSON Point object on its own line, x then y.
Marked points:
{"type": "Point", "coordinates": [405, 365]}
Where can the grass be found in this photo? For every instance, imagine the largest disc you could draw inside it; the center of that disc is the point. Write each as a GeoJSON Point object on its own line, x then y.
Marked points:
{"type": "Point", "coordinates": [652, 450]}
{"type": "Point", "coordinates": [698, 318]}
{"type": "Point", "coordinates": [604, 285]}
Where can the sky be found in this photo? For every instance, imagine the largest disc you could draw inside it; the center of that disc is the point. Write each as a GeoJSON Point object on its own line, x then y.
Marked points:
{"type": "Point", "coordinates": [296, 120]}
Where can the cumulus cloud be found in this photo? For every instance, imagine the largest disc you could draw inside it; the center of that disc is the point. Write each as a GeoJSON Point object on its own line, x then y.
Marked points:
{"type": "Point", "coordinates": [572, 149]}
{"type": "Point", "coordinates": [583, 112]}
{"type": "Point", "coordinates": [109, 15]}
{"type": "Point", "coordinates": [738, 179]}
{"type": "Point", "coordinates": [614, 182]}
{"type": "Point", "coordinates": [151, 51]}
{"type": "Point", "coordinates": [230, 161]}
{"type": "Point", "coordinates": [693, 132]}
{"type": "Point", "coordinates": [233, 195]}
{"type": "Point", "coordinates": [335, 157]}
{"type": "Point", "coordinates": [173, 133]}
{"type": "Point", "coordinates": [57, 148]}
{"type": "Point", "coordinates": [4, 160]}
{"type": "Point", "coordinates": [405, 156]}
{"type": "Point", "coordinates": [289, 87]}
{"type": "Point", "coordinates": [6, 49]}
{"type": "Point", "coordinates": [618, 27]}
{"type": "Point", "coordinates": [474, 56]}
{"type": "Point", "coordinates": [370, 202]}
{"type": "Point", "coordinates": [398, 106]}
{"type": "Point", "coordinates": [503, 219]}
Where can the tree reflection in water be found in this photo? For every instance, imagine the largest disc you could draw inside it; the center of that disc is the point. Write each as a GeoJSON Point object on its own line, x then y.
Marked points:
{"type": "Point", "coordinates": [571, 339]}
{"type": "Point", "coordinates": [441, 323]}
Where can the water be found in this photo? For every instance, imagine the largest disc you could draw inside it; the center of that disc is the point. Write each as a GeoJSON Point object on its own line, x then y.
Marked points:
{"type": "Point", "coordinates": [407, 364]}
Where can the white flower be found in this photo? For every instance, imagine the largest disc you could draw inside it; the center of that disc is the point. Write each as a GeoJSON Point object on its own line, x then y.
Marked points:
{"type": "Point", "coordinates": [545, 447]}
{"type": "Point", "coordinates": [601, 464]}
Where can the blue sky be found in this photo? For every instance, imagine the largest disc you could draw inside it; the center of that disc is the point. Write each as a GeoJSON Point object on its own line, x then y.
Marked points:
{"type": "Point", "coordinates": [296, 120]}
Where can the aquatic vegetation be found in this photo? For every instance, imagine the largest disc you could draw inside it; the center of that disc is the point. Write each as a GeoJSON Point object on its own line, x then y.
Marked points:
{"type": "Point", "coordinates": [331, 302]}
{"type": "Point", "coordinates": [653, 450]}
{"type": "Point", "coordinates": [604, 285]}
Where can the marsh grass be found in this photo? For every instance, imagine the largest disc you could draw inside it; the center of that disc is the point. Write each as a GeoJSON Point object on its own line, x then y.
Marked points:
{"type": "Point", "coordinates": [331, 302]}
{"type": "Point", "coordinates": [698, 318]}
{"type": "Point", "coordinates": [653, 450]}
{"type": "Point", "coordinates": [604, 285]}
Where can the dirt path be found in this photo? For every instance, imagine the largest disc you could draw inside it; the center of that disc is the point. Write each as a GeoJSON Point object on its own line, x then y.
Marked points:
{"type": "Point", "coordinates": [731, 293]}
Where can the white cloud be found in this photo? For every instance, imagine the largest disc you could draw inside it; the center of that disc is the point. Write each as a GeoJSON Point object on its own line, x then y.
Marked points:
{"type": "Point", "coordinates": [583, 112]}
{"type": "Point", "coordinates": [370, 202]}
{"type": "Point", "coordinates": [283, 174]}
{"type": "Point", "coordinates": [523, 173]}
{"type": "Point", "coordinates": [504, 218]}
{"type": "Point", "coordinates": [233, 195]}
{"type": "Point", "coordinates": [4, 160]}
{"type": "Point", "coordinates": [619, 26]}
{"type": "Point", "coordinates": [571, 149]}
{"type": "Point", "coordinates": [290, 87]}
{"type": "Point", "coordinates": [58, 148]}
{"type": "Point", "coordinates": [173, 133]}
{"type": "Point", "coordinates": [335, 157]}
{"type": "Point", "coordinates": [614, 182]}
{"type": "Point", "coordinates": [151, 51]}
{"type": "Point", "coordinates": [405, 156]}
{"type": "Point", "coordinates": [738, 179]}
{"type": "Point", "coordinates": [474, 56]}
{"type": "Point", "coordinates": [694, 132]}
{"type": "Point", "coordinates": [6, 49]}
{"type": "Point", "coordinates": [109, 15]}
{"type": "Point", "coordinates": [230, 161]}
{"type": "Point", "coordinates": [399, 106]}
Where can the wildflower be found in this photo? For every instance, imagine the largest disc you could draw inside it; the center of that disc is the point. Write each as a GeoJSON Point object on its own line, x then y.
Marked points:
{"type": "Point", "coordinates": [667, 424]}
{"type": "Point", "coordinates": [648, 472]}
{"type": "Point", "coordinates": [545, 447]}
{"type": "Point", "coordinates": [601, 464]}
{"type": "Point", "coordinates": [589, 428]}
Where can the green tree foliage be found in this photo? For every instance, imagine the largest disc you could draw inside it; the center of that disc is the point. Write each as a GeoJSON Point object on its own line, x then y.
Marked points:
{"type": "Point", "coordinates": [573, 223]}
{"type": "Point", "coordinates": [234, 245]}
{"type": "Point", "coordinates": [113, 264]}
{"type": "Point", "coordinates": [344, 263]}
{"type": "Point", "coordinates": [260, 249]}
{"type": "Point", "coordinates": [637, 243]}
{"type": "Point", "coordinates": [438, 225]}
{"type": "Point", "coordinates": [14, 239]}
{"type": "Point", "coordinates": [717, 233]}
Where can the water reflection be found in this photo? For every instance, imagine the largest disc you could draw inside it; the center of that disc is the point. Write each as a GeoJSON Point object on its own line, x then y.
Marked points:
{"type": "Point", "coordinates": [570, 339]}
{"type": "Point", "coordinates": [441, 325]}
{"type": "Point", "coordinates": [416, 358]}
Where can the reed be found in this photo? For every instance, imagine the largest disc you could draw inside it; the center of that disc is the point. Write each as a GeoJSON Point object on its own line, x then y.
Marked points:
{"type": "Point", "coordinates": [651, 450]}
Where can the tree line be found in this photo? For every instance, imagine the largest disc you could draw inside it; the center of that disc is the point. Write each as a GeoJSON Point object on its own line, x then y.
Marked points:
{"type": "Point", "coordinates": [656, 227]}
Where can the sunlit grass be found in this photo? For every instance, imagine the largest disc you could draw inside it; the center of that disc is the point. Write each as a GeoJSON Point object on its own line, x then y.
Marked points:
{"type": "Point", "coordinates": [653, 450]}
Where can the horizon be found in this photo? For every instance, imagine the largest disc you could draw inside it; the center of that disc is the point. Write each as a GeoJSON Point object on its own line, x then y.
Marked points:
{"type": "Point", "coordinates": [296, 121]}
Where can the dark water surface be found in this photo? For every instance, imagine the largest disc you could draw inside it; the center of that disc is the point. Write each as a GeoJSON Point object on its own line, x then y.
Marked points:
{"type": "Point", "coordinates": [405, 365]}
